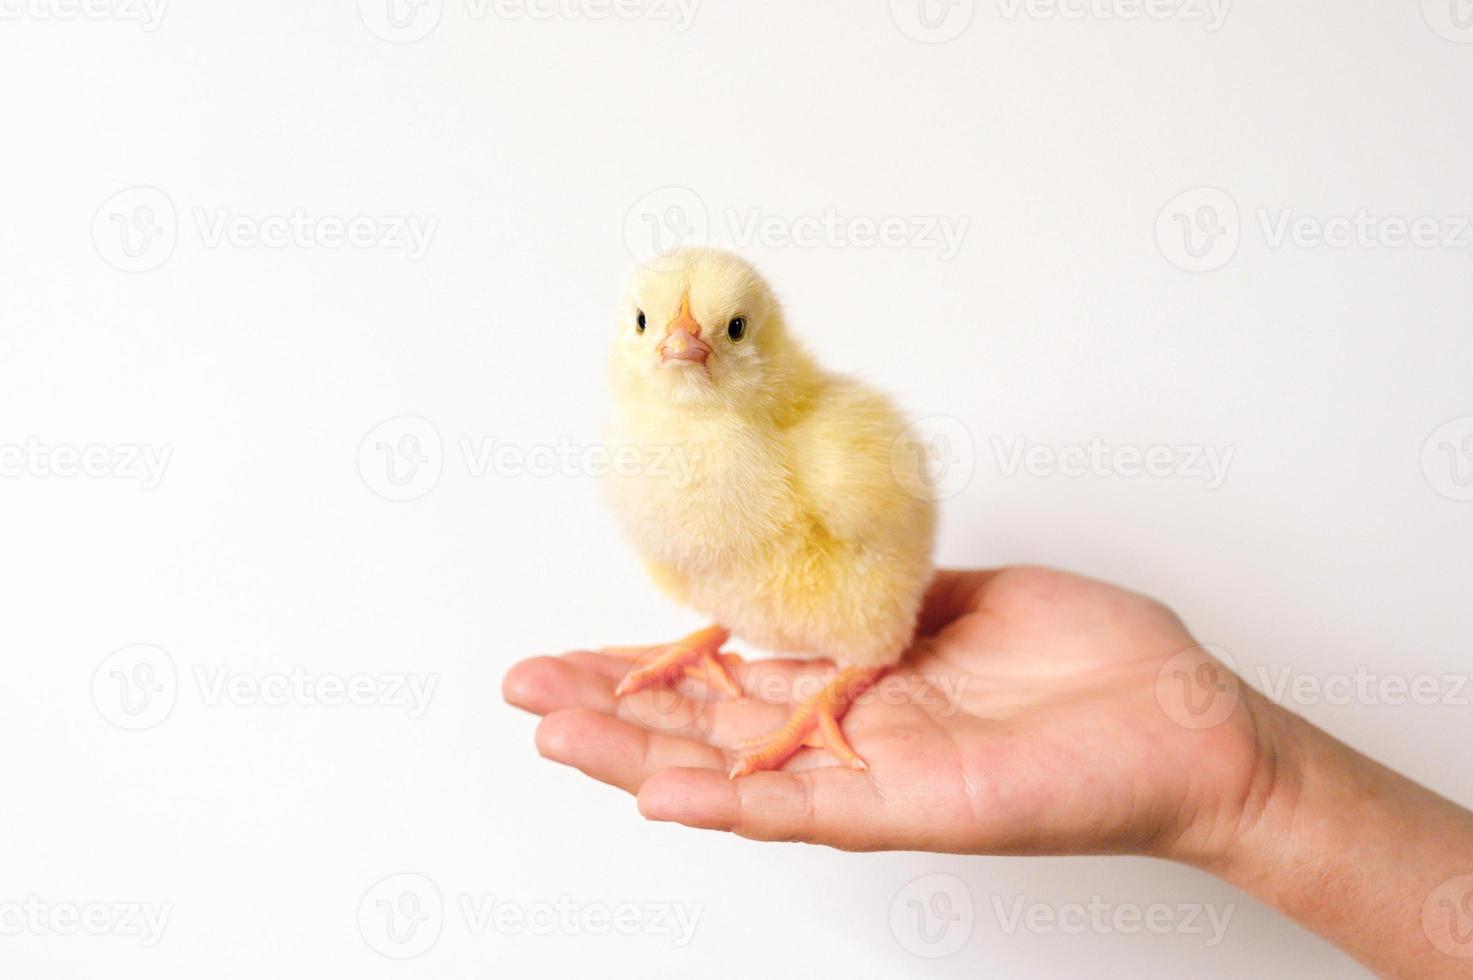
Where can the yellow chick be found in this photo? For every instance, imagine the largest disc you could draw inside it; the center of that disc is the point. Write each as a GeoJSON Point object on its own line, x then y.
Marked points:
{"type": "Point", "coordinates": [766, 495]}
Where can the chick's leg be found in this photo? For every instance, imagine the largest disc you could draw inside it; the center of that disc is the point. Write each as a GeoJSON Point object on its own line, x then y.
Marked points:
{"type": "Point", "coordinates": [814, 724]}
{"type": "Point", "coordinates": [667, 663]}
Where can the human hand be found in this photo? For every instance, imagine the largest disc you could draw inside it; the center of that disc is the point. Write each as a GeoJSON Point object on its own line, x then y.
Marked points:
{"type": "Point", "coordinates": [1038, 712]}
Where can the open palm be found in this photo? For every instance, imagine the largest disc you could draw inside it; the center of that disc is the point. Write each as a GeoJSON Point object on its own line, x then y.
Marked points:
{"type": "Point", "coordinates": [1037, 712]}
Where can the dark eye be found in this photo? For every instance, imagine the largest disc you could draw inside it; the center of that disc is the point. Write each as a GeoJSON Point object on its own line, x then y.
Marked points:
{"type": "Point", "coordinates": [639, 322]}
{"type": "Point", "coordinates": [737, 329]}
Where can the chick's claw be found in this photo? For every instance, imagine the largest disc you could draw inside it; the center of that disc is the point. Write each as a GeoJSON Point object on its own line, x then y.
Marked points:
{"type": "Point", "coordinates": [700, 652]}
{"type": "Point", "coordinates": [815, 724]}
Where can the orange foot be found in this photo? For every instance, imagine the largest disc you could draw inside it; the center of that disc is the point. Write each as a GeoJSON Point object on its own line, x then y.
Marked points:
{"type": "Point", "coordinates": [815, 724]}
{"type": "Point", "coordinates": [669, 663]}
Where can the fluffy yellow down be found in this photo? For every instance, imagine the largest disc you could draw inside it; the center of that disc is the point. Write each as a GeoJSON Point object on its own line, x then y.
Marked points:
{"type": "Point", "coordinates": [762, 491]}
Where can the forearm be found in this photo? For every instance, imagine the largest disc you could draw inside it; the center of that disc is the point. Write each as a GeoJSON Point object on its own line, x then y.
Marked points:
{"type": "Point", "coordinates": [1363, 856]}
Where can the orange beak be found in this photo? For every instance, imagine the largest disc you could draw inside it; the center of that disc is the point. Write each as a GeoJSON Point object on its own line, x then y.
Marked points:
{"type": "Point", "coordinates": [682, 343]}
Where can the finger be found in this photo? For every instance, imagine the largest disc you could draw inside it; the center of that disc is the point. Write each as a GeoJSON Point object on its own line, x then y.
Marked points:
{"type": "Point", "coordinates": [833, 806]}
{"type": "Point", "coordinates": [691, 710]}
{"type": "Point", "coordinates": [543, 685]}
{"type": "Point", "coordinates": [617, 752]}
{"type": "Point", "coordinates": [546, 684]}
{"type": "Point", "coordinates": [604, 665]}
{"type": "Point", "coordinates": [749, 674]}
{"type": "Point", "coordinates": [952, 593]}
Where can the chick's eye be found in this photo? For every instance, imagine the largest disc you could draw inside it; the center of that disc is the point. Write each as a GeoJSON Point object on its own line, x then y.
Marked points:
{"type": "Point", "coordinates": [737, 329]}
{"type": "Point", "coordinates": [639, 322]}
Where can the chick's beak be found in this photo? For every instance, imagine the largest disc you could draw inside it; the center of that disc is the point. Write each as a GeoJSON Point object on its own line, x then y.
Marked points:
{"type": "Point", "coordinates": [682, 343]}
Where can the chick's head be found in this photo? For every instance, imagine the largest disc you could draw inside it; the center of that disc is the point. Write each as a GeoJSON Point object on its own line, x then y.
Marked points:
{"type": "Point", "coordinates": [698, 327]}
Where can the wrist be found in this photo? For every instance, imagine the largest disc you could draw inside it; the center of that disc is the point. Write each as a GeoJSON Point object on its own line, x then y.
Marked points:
{"type": "Point", "coordinates": [1250, 831]}
{"type": "Point", "coordinates": [1346, 847]}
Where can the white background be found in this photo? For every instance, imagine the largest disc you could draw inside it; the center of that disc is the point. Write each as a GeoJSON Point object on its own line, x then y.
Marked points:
{"type": "Point", "coordinates": [1064, 317]}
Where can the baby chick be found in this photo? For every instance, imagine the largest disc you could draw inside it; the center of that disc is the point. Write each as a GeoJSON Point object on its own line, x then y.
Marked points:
{"type": "Point", "coordinates": [788, 521]}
